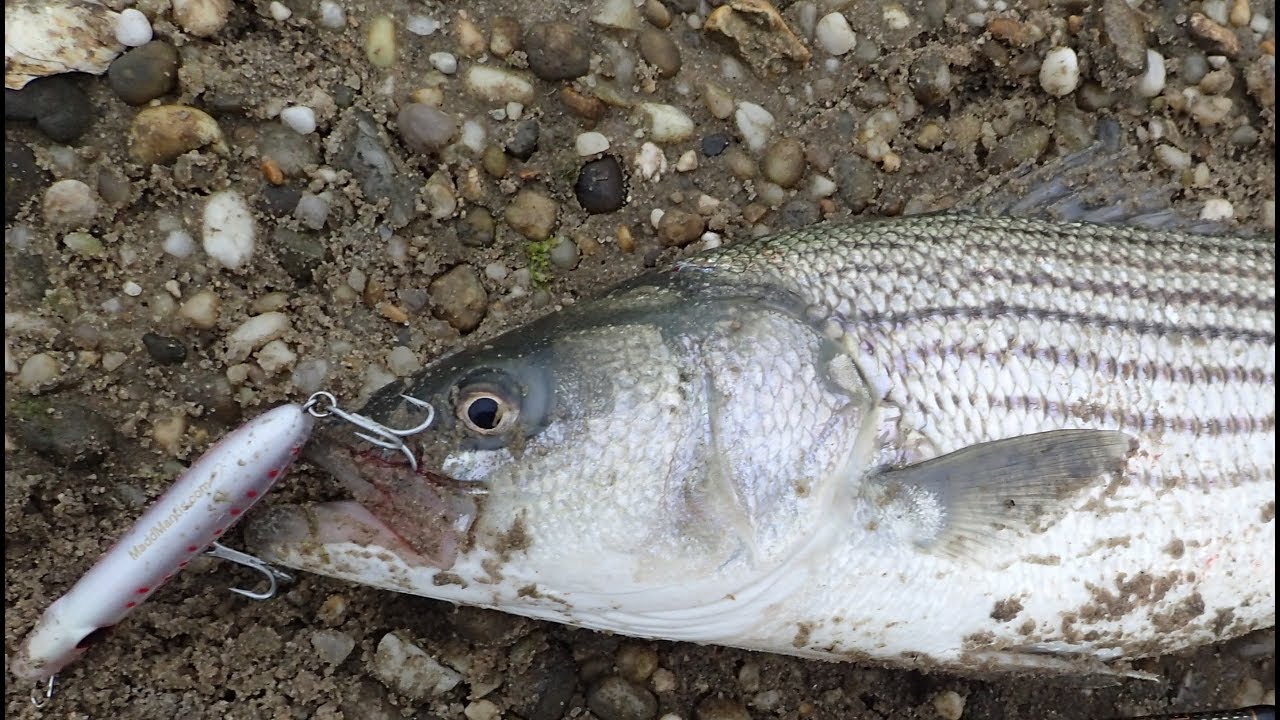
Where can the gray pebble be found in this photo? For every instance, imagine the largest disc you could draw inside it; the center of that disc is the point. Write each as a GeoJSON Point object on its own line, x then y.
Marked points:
{"type": "Point", "coordinates": [718, 708]}
{"type": "Point", "coordinates": [425, 129]}
{"type": "Point", "coordinates": [22, 177]}
{"type": "Point", "coordinates": [67, 433]}
{"type": "Point", "coordinates": [1019, 147]}
{"type": "Point", "coordinates": [1194, 67]}
{"type": "Point", "coordinates": [524, 141]}
{"type": "Point", "coordinates": [1122, 26]}
{"type": "Point", "coordinates": [312, 211]}
{"type": "Point", "coordinates": [477, 228]}
{"type": "Point", "coordinates": [679, 228]}
{"type": "Point", "coordinates": [1072, 129]}
{"type": "Point", "coordinates": [784, 162]}
{"type": "Point", "coordinates": [69, 204]}
{"type": "Point", "coordinates": [332, 646]}
{"type": "Point", "coordinates": [279, 200]}
{"type": "Point", "coordinates": [858, 181]}
{"type": "Point", "coordinates": [364, 152]}
{"type": "Point", "coordinates": [113, 188]}
{"type": "Point", "coordinates": [1092, 97]}
{"type": "Point", "coordinates": [299, 254]}
{"type": "Point", "coordinates": [601, 187]}
{"type": "Point", "coordinates": [714, 144]}
{"type": "Point", "coordinates": [1243, 136]}
{"type": "Point", "coordinates": [144, 73]}
{"type": "Point", "coordinates": [459, 298]}
{"type": "Point", "coordinates": [557, 51]}
{"type": "Point", "coordinates": [873, 94]}
{"type": "Point", "coordinates": [659, 50]}
{"type": "Point", "coordinates": [532, 214]}
{"type": "Point", "coordinates": [741, 165]}
{"type": "Point", "coordinates": [799, 213]}
{"type": "Point", "coordinates": [60, 109]}
{"type": "Point", "coordinates": [931, 79]}
{"type": "Point", "coordinates": [565, 254]}
{"type": "Point", "coordinates": [614, 698]}
{"type": "Point", "coordinates": [291, 151]}
{"type": "Point", "coordinates": [636, 662]}
{"type": "Point", "coordinates": [164, 350]}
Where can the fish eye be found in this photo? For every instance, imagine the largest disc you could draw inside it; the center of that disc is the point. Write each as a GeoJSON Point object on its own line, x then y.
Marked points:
{"type": "Point", "coordinates": [485, 412]}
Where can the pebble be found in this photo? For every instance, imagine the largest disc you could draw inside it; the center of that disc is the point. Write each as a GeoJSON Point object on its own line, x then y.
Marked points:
{"type": "Point", "coordinates": [425, 129]}
{"type": "Point", "coordinates": [444, 62]}
{"type": "Point", "coordinates": [279, 11]}
{"type": "Point", "coordinates": [601, 187]}
{"type": "Point", "coordinates": [275, 357]}
{"type": "Point", "coordinates": [408, 670]}
{"type": "Point", "coordinates": [755, 124]}
{"type": "Point", "coordinates": [784, 162]}
{"type": "Point", "coordinates": [590, 143]}
{"type": "Point", "coordinates": [557, 51]}
{"type": "Point", "coordinates": [859, 181]}
{"type": "Point", "coordinates": [254, 333]}
{"type": "Point", "coordinates": [1210, 109]}
{"type": "Point", "coordinates": [531, 213]}
{"type": "Point", "coordinates": [133, 29]}
{"type": "Point", "coordinates": [564, 254]}
{"type": "Point", "coordinates": [1019, 147]}
{"type": "Point", "coordinates": [949, 704]}
{"type": "Point", "coordinates": [650, 162]}
{"type": "Point", "coordinates": [1217, 209]}
{"type": "Point", "coordinates": [1193, 67]}
{"type": "Point", "coordinates": [524, 141]}
{"type": "Point", "coordinates": [332, 646]}
{"type": "Point", "coordinates": [332, 15]}
{"type": "Point", "coordinates": [482, 710]}
{"type": "Point", "coordinates": [423, 25]}
{"type": "Point", "coordinates": [380, 45]}
{"type": "Point", "coordinates": [459, 298]}
{"type": "Point", "coordinates": [292, 153]}
{"type": "Point", "coordinates": [666, 123]}
{"type": "Point", "coordinates": [60, 109]}
{"type": "Point", "coordinates": [678, 228]}
{"type": "Point", "coordinates": [717, 100]}
{"type": "Point", "coordinates": [68, 433]}
{"type": "Point", "coordinates": [470, 37]}
{"type": "Point", "coordinates": [160, 134]}
{"type": "Point", "coordinates": [1214, 36]}
{"type": "Point", "coordinates": [299, 118]}
{"type": "Point", "coordinates": [614, 698]}
{"type": "Point", "coordinates": [1060, 71]}
{"type": "Point", "coordinates": [688, 161]}
{"type": "Point", "coordinates": [201, 310]}
{"type": "Point", "coordinates": [39, 371]}
{"type": "Point", "coordinates": [69, 204]}
{"type": "Point", "coordinates": [636, 662]}
{"type": "Point", "coordinates": [164, 350]}
{"type": "Point", "coordinates": [229, 231]}
{"type": "Point", "coordinates": [931, 79]}
{"type": "Point", "coordinates": [83, 244]}
{"type": "Point", "coordinates": [834, 35]}
{"type": "Point", "coordinates": [1151, 83]}
{"type": "Point", "coordinates": [1123, 29]}
{"type": "Point", "coordinates": [656, 14]}
{"type": "Point", "coordinates": [132, 289]}
{"type": "Point", "coordinates": [202, 18]}
{"type": "Point", "coordinates": [498, 85]}
{"type": "Point", "coordinates": [312, 211]}
{"type": "Point", "coordinates": [659, 50]}
{"type": "Point", "coordinates": [144, 73]}
{"type": "Point", "coordinates": [719, 708]}
{"type": "Point", "coordinates": [714, 144]}
{"type": "Point", "coordinates": [178, 243]}
{"type": "Point", "coordinates": [505, 36]}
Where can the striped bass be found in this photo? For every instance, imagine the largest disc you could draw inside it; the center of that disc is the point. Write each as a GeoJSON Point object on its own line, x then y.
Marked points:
{"type": "Point", "coordinates": [948, 441]}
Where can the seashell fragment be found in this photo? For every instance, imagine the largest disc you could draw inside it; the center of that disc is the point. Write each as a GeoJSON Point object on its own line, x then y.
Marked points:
{"type": "Point", "coordinates": [50, 37]}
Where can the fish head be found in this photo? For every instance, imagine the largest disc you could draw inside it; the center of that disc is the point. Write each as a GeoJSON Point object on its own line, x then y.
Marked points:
{"type": "Point", "coordinates": [652, 451]}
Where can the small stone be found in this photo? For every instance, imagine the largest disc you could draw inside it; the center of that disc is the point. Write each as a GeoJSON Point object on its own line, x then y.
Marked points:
{"type": "Point", "coordinates": [478, 228]}
{"type": "Point", "coordinates": [656, 14]}
{"type": "Point", "coordinates": [70, 204]}
{"type": "Point", "coordinates": [1124, 31]}
{"type": "Point", "coordinates": [380, 45]}
{"type": "Point", "coordinates": [408, 670]}
{"type": "Point", "coordinates": [601, 187]}
{"type": "Point", "coordinates": [1019, 147]}
{"type": "Point", "coordinates": [332, 646]}
{"type": "Point", "coordinates": [444, 62]}
{"type": "Point", "coordinates": [201, 310]}
{"type": "Point", "coordinates": [784, 162]}
{"type": "Point", "coordinates": [1210, 109]}
{"type": "Point", "coordinates": [164, 350]}
{"type": "Point", "coordinates": [1151, 83]}
{"type": "Point", "coordinates": [299, 118]}
{"type": "Point", "coordinates": [279, 11]}
{"type": "Point", "coordinates": [402, 361]}
{"type": "Point", "coordinates": [229, 230]}
{"type": "Point", "coordinates": [636, 662]}
{"type": "Point", "coordinates": [931, 79]}
{"type": "Point", "coordinates": [688, 161]}
{"type": "Point", "coordinates": [312, 211]}
{"type": "Point", "coordinates": [332, 15]}
{"type": "Point", "coordinates": [1193, 67]}
{"type": "Point", "coordinates": [482, 710]}
{"type": "Point", "coordinates": [614, 698]}
{"type": "Point", "coordinates": [949, 704]}
{"type": "Point", "coordinates": [740, 164]}
{"type": "Point", "coordinates": [564, 254]}
{"type": "Point", "coordinates": [254, 333]}
{"type": "Point", "coordinates": [39, 371]}
{"type": "Point", "coordinates": [133, 29]}
{"type": "Point", "coordinates": [1217, 209]}
{"type": "Point", "coordinates": [60, 109]}
{"type": "Point", "coordinates": [524, 141]}
{"type": "Point", "coordinates": [132, 289]}
{"type": "Point", "coordinates": [619, 14]}
{"type": "Point", "coordinates": [557, 51]}
{"type": "Point", "coordinates": [275, 357]}
{"type": "Point", "coordinates": [1241, 14]}
{"type": "Point", "coordinates": [167, 433]}
{"type": "Point", "coordinates": [459, 298]}
{"type": "Point", "coordinates": [532, 214]}
{"type": "Point", "coordinates": [440, 194]}
{"type": "Point", "coordinates": [161, 134]}
{"type": "Point", "coordinates": [859, 181]}
{"type": "Point", "coordinates": [755, 124]}
{"type": "Point", "coordinates": [659, 50]}
{"type": "Point", "coordinates": [719, 708]}
{"type": "Point", "coordinates": [422, 25]}
{"type": "Point", "coordinates": [69, 433]}
{"type": "Point", "coordinates": [470, 38]}
{"type": "Point", "coordinates": [714, 144]}
{"type": "Point", "coordinates": [505, 36]}
{"type": "Point", "coordinates": [717, 100]}
{"type": "Point", "coordinates": [760, 33]}
{"type": "Point", "coordinates": [1214, 37]}
{"type": "Point", "coordinates": [425, 129]}
{"type": "Point", "coordinates": [333, 610]}
{"type": "Point", "coordinates": [590, 143]}
{"type": "Point", "coordinates": [834, 35]}
{"type": "Point", "coordinates": [749, 677]}
{"type": "Point", "coordinates": [292, 153]}
{"type": "Point", "coordinates": [299, 254]}
{"type": "Point", "coordinates": [202, 18]}
{"type": "Point", "coordinates": [179, 244]}
{"type": "Point", "coordinates": [1060, 71]}
{"type": "Point", "coordinates": [678, 228]}
{"type": "Point", "coordinates": [584, 106]}
{"type": "Point", "coordinates": [666, 123]}
{"type": "Point", "coordinates": [650, 162]}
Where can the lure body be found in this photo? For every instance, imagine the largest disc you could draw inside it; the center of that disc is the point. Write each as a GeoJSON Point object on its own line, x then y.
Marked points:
{"type": "Point", "coordinates": [210, 497]}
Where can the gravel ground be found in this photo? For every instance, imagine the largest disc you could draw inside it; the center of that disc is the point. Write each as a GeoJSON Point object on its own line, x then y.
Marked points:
{"type": "Point", "coordinates": [377, 183]}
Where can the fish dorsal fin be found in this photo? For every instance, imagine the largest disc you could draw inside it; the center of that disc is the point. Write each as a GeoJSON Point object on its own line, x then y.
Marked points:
{"type": "Point", "coordinates": [955, 505]}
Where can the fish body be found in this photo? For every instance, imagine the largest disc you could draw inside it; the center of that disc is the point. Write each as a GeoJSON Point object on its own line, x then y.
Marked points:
{"type": "Point", "coordinates": [978, 444]}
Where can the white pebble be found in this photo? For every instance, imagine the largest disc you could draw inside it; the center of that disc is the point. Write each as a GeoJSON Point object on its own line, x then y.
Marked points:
{"type": "Point", "coordinates": [834, 34]}
{"type": "Point", "coordinates": [822, 186]}
{"type": "Point", "coordinates": [650, 162]}
{"type": "Point", "coordinates": [1151, 83]}
{"type": "Point", "coordinates": [497, 85]}
{"type": "Point", "coordinates": [275, 356]}
{"type": "Point", "coordinates": [229, 229]}
{"type": "Point", "coordinates": [655, 216]}
{"type": "Point", "coordinates": [688, 161]}
{"type": "Point", "coordinates": [731, 69]}
{"type": "Point", "coordinates": [254, 333]}
{"type": "Point", "coordinates": [666, 123]}
{"type": "Point", "coordinates": [621, 14]}
{"type": "Point", "coordinates": [1217, 209]}
{"type": "Point", "coordinates": [10, 362]}
{"type": "Point", "coordinates": [515, 110]}
{"type": "Point", "coordinates": [133, 28]}
{"type": "Point", "coordinates": [496, 271]}
{"type": "Point", "coordinates": [482, 710]}
{"type": "Point", "coordinates": [300, 118]}
{"type": "Point", "coordinates": [179, 244]}
{"type": "Point", "coordinates": [590, 143]}
{"type": "Point", "coordinates": [1259, 24]}
{"type": "Point", "coordinates": [1172, 157]}
{"type": "Point", "coordinates": [949, 704]}
{"type": "Point", "coordinates": [1060, 71]}
{"type": "Point", "coordinates": [39, 370]}
{"type": "Point", "coordinates": [710, 240]}
{"type": "Point", "coordinates": [405, 668]}
{"type": "Point", "coordinates": [755, 124]}
{"type": "Point", "coordinates": [421, 25]}
{"type": "Point", "coordinates": [402, 361]}
{"type": "Point", "coordinates": [444, 62]}
{"type": "Point", "coordinates": [473, 135]}
{"type": "Point", "coordinates": [132, 289]}
{"type": "Point", "coordinates": [279, 11]}
{"type": "Point", "coordinates": [896, 17]}
{"type": "Point", "coordinates": [332, 15]}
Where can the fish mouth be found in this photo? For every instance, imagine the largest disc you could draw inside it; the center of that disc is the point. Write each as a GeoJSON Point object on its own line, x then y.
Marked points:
{"type": "Point", "coordinates": [420, 515]}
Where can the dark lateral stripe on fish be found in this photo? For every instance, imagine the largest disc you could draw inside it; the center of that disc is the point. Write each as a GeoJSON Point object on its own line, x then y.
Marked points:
{"type": "Point", "coordinates": [997, 310]}
{"type": "Point", "coordinates": [1090, 361]}
{"type": "Point", "coordinates": [1131, 291]}
{"type": "Point", "coordinates": [1129, 420]}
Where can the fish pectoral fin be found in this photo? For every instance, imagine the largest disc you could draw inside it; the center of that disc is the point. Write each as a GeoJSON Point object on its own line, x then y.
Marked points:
{"type": "Point", "coordinates": [956, 504]}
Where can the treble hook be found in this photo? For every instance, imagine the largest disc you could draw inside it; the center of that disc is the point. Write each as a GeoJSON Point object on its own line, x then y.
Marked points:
{"type": "Point", "coordinates": [383, 436]}
{"type": "Point", "coordinates": [273, 575]}
{"type": "Point", "coordinates": [39, 701]}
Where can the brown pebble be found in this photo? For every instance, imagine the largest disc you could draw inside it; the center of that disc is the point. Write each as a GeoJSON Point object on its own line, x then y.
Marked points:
{"type": "Point", "coordinates": [626, 241]}
{"type": "Point", "coordinates": [1215, 37]}
{"type": "Point", "coordinates": [826, 206]}
{"type": "Point", "coordinates": [584, 106]}
{"type": "Point", "coordinates": [784, 162]}
{"type": "Point", "coordinates": [678, 228]}
{"type": "Point", "coordinates": [1241, 14]}
{"type": "Point", "coordinates": [394, 313]}
{"type": "Point", "coordinates": [753, 212]}
{"type": "Point", "coordinates": [658, 49]}
{"type": "Point", "coordinates": [656, 13]}
{"type": "Point", "coordinates": [272, 172]}
{"type": "Point", "coordinates": [470, 38]}
{"type": "Point", "coordinates": [1268, 46]}
{"type": "Point", "coordinates": [504, 35]}
{"type": "Point", "coordinates": [1009, 30]}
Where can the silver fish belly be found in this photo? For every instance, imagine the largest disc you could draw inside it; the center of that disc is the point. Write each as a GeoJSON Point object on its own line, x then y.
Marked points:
{"type": "Point", "coordinates": [949, 441]}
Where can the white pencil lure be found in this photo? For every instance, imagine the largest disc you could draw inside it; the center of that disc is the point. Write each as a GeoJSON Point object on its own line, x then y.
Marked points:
{"type": "Point", "coordinates": [202, 504]}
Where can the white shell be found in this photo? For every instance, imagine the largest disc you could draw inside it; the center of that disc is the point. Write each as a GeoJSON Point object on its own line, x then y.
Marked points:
{"type": "Point", "coordinates": [50, 37]}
